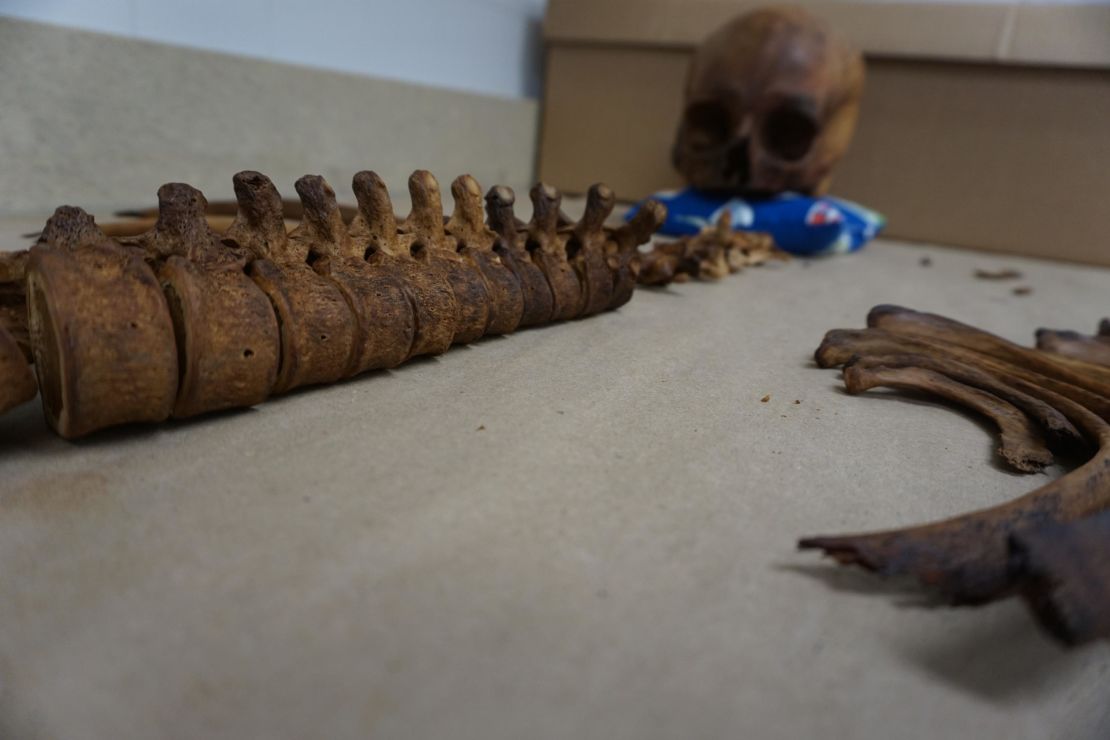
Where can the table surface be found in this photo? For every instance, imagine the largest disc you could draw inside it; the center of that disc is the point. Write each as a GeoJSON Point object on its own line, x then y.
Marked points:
{"type": "Point", "coordinates": [583, 530]}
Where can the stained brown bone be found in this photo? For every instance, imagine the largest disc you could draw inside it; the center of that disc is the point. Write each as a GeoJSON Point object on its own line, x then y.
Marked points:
{"type": "Point", "coordinates": [899, 320]}
{"type": "Point", "coordinates": [771, 100]}
{"type": "Point", "coordinates": [549, 252]}
{"type": "Point", "coordinates": [713, 253]}
{"type": "Point", "coordinates": [378, 299]}
{"type": "Point", "coordinates": [425, 225]}
{"type": "Point", "coordinates": [475, 241]}
{"type": "Point", "coordinates": [17, 383]}
{"type": "Point", "coordinates": [623, 254]}
{"type": "Point", "coordinates": [1060, 433]}
{"type": "Point", "coordinates": [319, 334]}
{"type": "Point", "coordinates": [539, 304]}
{"type": "Point", "coordinates": [429, 293]}
{"type": "Point", "coordinates": [227, 333]}
{"type": "Point", "coordinates": [1095, 350]}
{"type": "Point", "coordinates": [13, 298]}
{"type": "Point", "coordinates": [206, 289]}
{"type": "Point", "coordinates": [841, 346]}
{"type": "Point", "coordinates": [585, 248]}
{"type": "Point", "coordinates": [967, 557]}
{"type": "Point", "coordinates": [1064, 570]}
{"type": "Point", "coordinates": [100, 330]}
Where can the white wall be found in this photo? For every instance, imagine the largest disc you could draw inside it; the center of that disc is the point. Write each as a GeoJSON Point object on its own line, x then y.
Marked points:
{"type": "Point", "coordinates": [484, 46]}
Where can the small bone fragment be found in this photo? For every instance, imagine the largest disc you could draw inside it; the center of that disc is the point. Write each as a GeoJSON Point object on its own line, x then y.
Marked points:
{"type": "Point", "coordinates": [715, 252]}
{"type": "Point", "coordinates": [1003, 274]}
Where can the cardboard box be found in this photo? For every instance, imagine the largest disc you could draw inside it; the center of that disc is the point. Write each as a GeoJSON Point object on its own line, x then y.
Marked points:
{"type": "Point", "coordinates": [982, 125]}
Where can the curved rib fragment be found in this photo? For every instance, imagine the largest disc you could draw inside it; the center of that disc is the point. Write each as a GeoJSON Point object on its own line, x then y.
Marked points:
{"type": "Point", "coordinates": [1060, 433]}
{"type": "Point", "coordinates": [899, 320]}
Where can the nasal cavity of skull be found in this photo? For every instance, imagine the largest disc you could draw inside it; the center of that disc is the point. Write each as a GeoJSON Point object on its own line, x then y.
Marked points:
{"type": "Point", "coordinates": [708, 125]}
{"type": "Point", "coordinates": [788, 133]}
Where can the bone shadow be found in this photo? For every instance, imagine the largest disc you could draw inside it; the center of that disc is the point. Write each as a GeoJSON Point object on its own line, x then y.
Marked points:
{"type": "Point", "coordinates": [1005, 661]}
{"type": "Point", "coordinates": [1003, 664]}
{"type": "Point", "coordinates": [860, 582]}
{"type": "Point", "coordinates": [25, 429]}
{"type": "Point", "coordinates": [921, 399]}
{"type": "Point", "coordinates": [665, 290]}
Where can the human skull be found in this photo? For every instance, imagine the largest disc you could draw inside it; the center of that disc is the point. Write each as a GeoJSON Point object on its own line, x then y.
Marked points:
{"type": "Point", "coordinates": [770, 105]}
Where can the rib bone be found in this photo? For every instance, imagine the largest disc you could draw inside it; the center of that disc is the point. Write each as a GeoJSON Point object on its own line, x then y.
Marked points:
{"type": "Point", "coordinates": [971, 558]}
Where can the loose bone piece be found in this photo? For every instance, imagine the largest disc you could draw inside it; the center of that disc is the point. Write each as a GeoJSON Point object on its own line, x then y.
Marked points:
{"type": "Point", "coordinates": [715, 252]}
{"type": "Point", "coordinates": [971, 558]}
{"type": "Point", "coordinates": [231, 318]}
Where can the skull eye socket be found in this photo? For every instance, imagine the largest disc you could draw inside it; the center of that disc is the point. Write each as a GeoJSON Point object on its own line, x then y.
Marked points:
{"type": "Point", "coordinates": [789, 132]}
{"type": "Point", "coordinates": [708, 125]}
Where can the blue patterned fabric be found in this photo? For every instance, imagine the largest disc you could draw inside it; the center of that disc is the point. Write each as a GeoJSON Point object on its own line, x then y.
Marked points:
{"type": "Point", "coordinates": [799, 224]}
